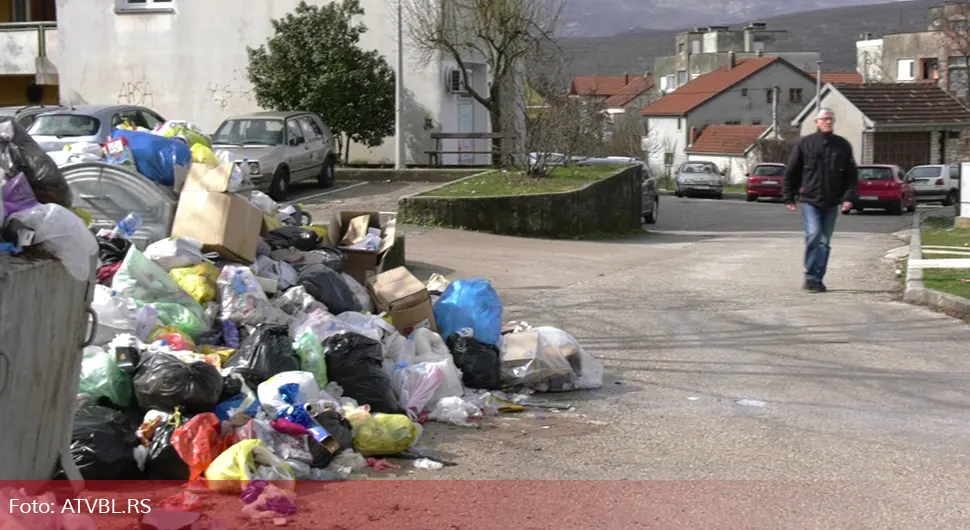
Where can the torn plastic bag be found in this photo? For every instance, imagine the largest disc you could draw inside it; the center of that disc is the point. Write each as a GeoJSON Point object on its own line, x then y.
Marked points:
{"type": "Point", "coordinates": [382, 434]}
{"type": "Point", "coordinates": [264, 202]}
{"type": "Point", "coordinates": [293, 236]}
{"type": "Point", "coordinates": [19, 153]}
{"type": "Point", "coordinates": [175, 253]}
{"type": "Point", "coordinates": [164, 462]}
{"type": "Point", "coordinates": [415, 385]}
{"type": "Point", "coordinates": [102, 444]}
{"type": "Point", "coordinates": [269, 390]}
{"type": "Point", "coordinates": [265, 353]}
{"type": "Point", "coordinates": [332, 257]}
{"type": "Point", "coordinates": [480, 363]}
{"type": "Point", "coordinates": [296, 299]}
{"type": "Point", "coordinates": [456, 411]}
{"type": "Point", "coordinates": [101, 377]}
{"type": "Point", "coordinates": [360, 293]}
{"type": "Point", "coordinates": [232, 470]}
{"type": "Point", "coordinates": [470, 304]}
{"type": "Point", "coordinates": [281, 271]}
{"type": "Point", "coordinates": [156, 156]}
{"type": "Point", "coordinates": [354, 362]}
{"type": "Point", "coordinates": [163, 382]}
{"type": "Point", "coordinates": [285, 446]}
{"type": "Point", "coordinates": [243, 299]}
{"type": "Point", "coordinates": [17, 195]}
{"type": "Point", "coordinates": [199, 441]}
{"type": "Point", "coordinates": [62, 233]}
{"type": "Point", "coordinates": [329, 287]}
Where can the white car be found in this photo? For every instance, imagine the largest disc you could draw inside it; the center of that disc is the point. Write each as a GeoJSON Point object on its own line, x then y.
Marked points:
{"type": "Point", "coordinates": [935, 182]}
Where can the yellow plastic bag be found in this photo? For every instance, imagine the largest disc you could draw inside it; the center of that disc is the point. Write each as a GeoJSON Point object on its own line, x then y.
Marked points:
{"type": "Point", "coordinates": [321, 231]}
{"type": "Point", "coordinates": [198, 280]}
{"type": "Point", "coordinates": [223, 352]}
{"type": "Point", "coordinates": [271, 223]}
{"type": "Point", "coordinates": [232, 470]}
{"type": "Point", "coordinates": [382, 434]}
{"type": "Point", "coordinates": [84, 215]}
{"type": "Point", "coordinates": [202, 154]}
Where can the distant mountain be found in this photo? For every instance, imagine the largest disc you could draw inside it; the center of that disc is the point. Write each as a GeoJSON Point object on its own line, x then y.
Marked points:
{"type": "Point", "coordinates": [833, 32]}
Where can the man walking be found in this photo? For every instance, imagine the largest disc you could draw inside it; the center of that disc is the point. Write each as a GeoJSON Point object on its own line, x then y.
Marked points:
{"type": "Point", "coordinates": [821, 173]}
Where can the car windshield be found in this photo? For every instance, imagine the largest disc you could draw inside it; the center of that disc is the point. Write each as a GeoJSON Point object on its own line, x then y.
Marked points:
{"type": "Point", "coordinates": [249, 132]}
{"type": "Point", "coordinates": [769, 171]}
{"type": "Point", "coordinates": [65, 125]}
{"type": "Point", "coordinates": [924, 172]}
{"type": "Point", "coordinates": [875, 173]}
{"type": "Point", "coordinates": [697, 167]}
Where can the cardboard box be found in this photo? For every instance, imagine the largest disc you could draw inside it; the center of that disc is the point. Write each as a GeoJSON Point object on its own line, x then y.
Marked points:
{"type": "Point", "coordinates": [362, 264]}
{"type": "Point", "coordinates": [224, 223]}
{"type": "Point", "coordinates": [522, 351]}
{"type": "Point", "coordinates": [404, 298]}
{"type": "Point", "coordinates": [204, 178]}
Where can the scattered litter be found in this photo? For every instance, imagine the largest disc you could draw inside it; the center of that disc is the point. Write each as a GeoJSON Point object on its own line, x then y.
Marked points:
{"type": "Point", "coordinates": [381, 465]}
{"type": "Point", "coordinates": [692, 398]}
{"type": "Point", "coordinates": [426, 463]}
{"type": "Point", "coordinates": [750, 403]}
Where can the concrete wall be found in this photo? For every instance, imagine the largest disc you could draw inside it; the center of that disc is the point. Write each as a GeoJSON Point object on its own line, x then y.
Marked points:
{"type": "Point", "coordinates": [21, 48]}
{"type": "Point", "coordinates": [924, 44]}
{"type": "Point", "coordinates": [608, 206]}
{"type": "Point", "coordinates": [849, 122]}
{"type": "Point", "coordinates": [733, 167]}
{"type": "Point", "coordinates": [191, 64]}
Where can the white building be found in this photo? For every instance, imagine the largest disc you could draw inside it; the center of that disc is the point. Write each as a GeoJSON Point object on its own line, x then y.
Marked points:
{"type": "Point", "coordinates": [729, 147]}
{"type": "Point", "coordinates": [187, 59]}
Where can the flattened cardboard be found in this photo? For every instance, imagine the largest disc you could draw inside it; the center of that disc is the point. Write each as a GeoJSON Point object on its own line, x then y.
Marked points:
{"type": "Point", "coordinates": [224, 223]}
{"type": "Point", "coordinates": [204, 178]}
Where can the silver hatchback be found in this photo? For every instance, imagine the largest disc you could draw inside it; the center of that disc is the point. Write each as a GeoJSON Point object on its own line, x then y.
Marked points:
{"type": "Point", "coordinates": [699, 179]}
{"type": "Point", "coordinates": [935, 183]}
{"type": "Point", "coordinates": [87, 123]}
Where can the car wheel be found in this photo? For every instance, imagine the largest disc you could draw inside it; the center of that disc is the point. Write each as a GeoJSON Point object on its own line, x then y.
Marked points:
{"type": "Point", "coordinates": [325, 179]}
{"type": "Point", "coordinates": [678, 194]}
{"type": "Point", "coordinates": [950, 199]}
{"type": "Point", "coordinates": [654, 215]}
{"type": "Point", "coordinates": [752, 197]}
{"type": "Point", "coordinates": [897, 209]}
{"type": "Point", "coordinates": [857, 210]}
{"type": "Point", "coordinates": [719, 196]}
{"type": "Point", "coordinates": [912, 206]}
{"type": "Point", "coordinates": [280, 187]}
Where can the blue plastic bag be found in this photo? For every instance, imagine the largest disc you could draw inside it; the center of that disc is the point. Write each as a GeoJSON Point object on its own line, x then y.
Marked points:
{"type": "Point", "coordinates": [470, 304]}
{"type": "Point", "coordinates": [222, 409]}
{"type": "Point", "coordinates": [156, 156]}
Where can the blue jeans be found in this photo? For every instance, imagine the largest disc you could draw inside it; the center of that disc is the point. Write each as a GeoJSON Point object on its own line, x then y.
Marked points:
{"type": "Point", "coordinates": [819, 225]}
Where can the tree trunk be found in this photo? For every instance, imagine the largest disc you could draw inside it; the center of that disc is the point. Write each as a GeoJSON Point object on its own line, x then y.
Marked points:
{"type": "Point", "coordinates": [498, 158]}
{"type": "Point", "coordinates": [347, 150]}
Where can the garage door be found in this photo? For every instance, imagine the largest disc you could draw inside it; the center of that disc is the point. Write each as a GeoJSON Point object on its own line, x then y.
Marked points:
{"type": "Point", "coordinates": [905, 149]}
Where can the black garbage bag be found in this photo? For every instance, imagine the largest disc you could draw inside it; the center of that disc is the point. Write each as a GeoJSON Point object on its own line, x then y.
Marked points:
{"type": "Point", "coordinates": [103, 443]}
{"type": "Point", "coordinates": [111, 250]}
{"type": "Point", "coordinates": [292, 236]}
{"type": "Point", "coordinates": [342, 431]}
{"type": "Point", "coordinates": [163, 382]}
{"type": "Point", "coordinates": [20, 153]}
{"type": "Point", "coordinates": [265, 353]}
{"type": "Point", "coordinates": [480, 363]}
{"type": "Point", "coordinates": [355, 363]}
{"type": "Point", "coordinates": [164, 462]}
{"type": "Point", "coordinates": [330, 287]}
{"type": "Point", "coordinates": [333, 257]}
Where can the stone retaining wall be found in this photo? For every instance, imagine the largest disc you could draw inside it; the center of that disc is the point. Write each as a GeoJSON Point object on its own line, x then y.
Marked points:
{"type": "Point", "coordinates": [608, 206]}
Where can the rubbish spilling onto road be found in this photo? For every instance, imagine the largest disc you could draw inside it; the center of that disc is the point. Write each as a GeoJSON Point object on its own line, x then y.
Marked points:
{"type": "Point", "coordinates": [252, 348]}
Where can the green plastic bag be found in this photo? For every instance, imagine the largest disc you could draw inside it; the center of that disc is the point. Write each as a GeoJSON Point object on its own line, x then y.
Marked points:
{"type": "Point", "coordinates": [101, 377]}
{"type": "Point", "coordinates": [312, 358]}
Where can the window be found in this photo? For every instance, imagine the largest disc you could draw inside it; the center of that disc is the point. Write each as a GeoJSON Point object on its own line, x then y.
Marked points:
{"type": "Point", "coordinates": [794, 95]}
{"type": "Point", "coordinates": [671, 82]}
{"type": "Point", "coordinates": [734, 122]}
{"type": "Point", "coordinates": [140, 6]}
{"type": "Point", "coordinates": [875, 173]}
{"type": "Point", "coordinates": [679, 124]}
{"type": "Point", "coordinates": [695, 47]}
{"type": "Point", "coordinates": [294, 136]}
{"type": "Point", "coordinates": [769, 95]}
{"type": "Point", "coordinates": [769, 171]}
{"type": "Point", "coordinates": [954, 171]}
{"type": "Point", "coordinates": [680, 48]}
{"type": "Point", "coordinates": [310, 128]}
{"type": "Point", "coordinates": [960, 24]}
{"type": "Point", "coordinates": [130, 116]}
{"type": "Point", "coordinates": [249, 132]}
{"type": "Point", "coordinates": [957, 61]}
{"type": "Point", "coordinates": [663, 84]}
{"type": "Point", "coordinates": [744, 92]}
{"type": "Point", "coordinates": [65, 125]}
{"type": "Point", "coordinates": [929, 69]}
{"type": "Point", "coordinates": [755, 122]}
{"type": "Point", "coordinates": [681, 77]}
{"type": "Point", "coordinates": [150, 119]}
{"type": "Point", "coordinates": [905, 70]}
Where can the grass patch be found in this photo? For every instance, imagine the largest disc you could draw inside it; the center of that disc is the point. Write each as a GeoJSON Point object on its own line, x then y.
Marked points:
{"type": "Point", "coordinates": [516, 182]}
{"type": "Point", "coordinates": [948, 281]}
{"type": "Point", "coordinates": [939, 231]}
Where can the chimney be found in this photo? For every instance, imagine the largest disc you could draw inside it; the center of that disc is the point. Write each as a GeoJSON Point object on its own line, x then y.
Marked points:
{"type": "Point", "coordinates": [693, 136]}
{"type": "Point", "coordinates": [732, 62]}
{"type": "Point", "coordinates": [626, 78]}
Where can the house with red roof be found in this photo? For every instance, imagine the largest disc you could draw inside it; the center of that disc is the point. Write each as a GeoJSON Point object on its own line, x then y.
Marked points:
{"type": "Point", "coordinates": [729, 147]}
{"type": "Point", "coordinates": [742, 92]}
{"type": "Point", "coordinates": [615, 93]}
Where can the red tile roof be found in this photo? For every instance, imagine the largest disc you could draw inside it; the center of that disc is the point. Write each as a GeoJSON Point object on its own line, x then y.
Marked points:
{"type": "Point", "coordinates": [592, 85]}
{"type": "Point", "coordinates": [841, 78]}
{"type": "Point", "coordinates": [905, 103]}
{"type": "Point", "coordinates": [698, 90]}
{"type": "Point", "coordinates": [726, 139]}
{"type": "Point", "coordinates": [636, 87]}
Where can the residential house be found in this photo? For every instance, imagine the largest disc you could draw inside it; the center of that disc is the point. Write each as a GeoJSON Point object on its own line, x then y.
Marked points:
{"type": "Point", "coordinates": [729, 147]}
{"type": "Point", "coordinates": [187, 60]}
{"type": "Point", "coordinates": [703, 50]}
{"type": "Point", "coordinates": [29, 40]}
{"type": "Point", "coordinates": [614, 93]}
{"type": "Point", "coordinates": [741, 92]}
{"type": "Point", "coordinates": [906, 124]}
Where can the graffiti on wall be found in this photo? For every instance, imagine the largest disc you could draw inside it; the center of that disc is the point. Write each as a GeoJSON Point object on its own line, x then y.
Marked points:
{"type": "Point", "coordinates": [136, 93]}
{"type": "Point", "coordinates": [237, 89]}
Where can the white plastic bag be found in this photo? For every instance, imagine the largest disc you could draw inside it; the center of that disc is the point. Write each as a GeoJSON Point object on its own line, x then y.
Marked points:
{"type": "Point", "coordinates": [175, 253]}
{"type": "Point", "coordinates": [456, 411]}
{"type": "Point", "coordinates": [296, 300]}
{"type": "Point", "coordinates": [269, 390]}
{"type": "Point", "coordinates": [264, 203]}
{"type": "Point", "coordinates": [114, 310]}
{"type": "Point", "coordinates": [243, 299]}
{"type": "Point", "coordinates": [360, 293]}
{"type": "Point", "coordinates": [415, 385]}
{"type": "Point", "coordinates": [588, 370]}
{"type": "Point", "coordinates": [323, 325]}
{"type": "Point", "coordinates": [63, 234]}
{"type": "Point", "coordinates": [430, 348]}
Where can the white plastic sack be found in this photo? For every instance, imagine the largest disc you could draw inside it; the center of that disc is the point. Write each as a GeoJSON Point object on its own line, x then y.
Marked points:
{"type": "Point", "coordinates": [264, 203]}
{"type": "Point", "coordinates": [63, 234]}
{"type": "Point", "coordinates": [398, 349]}
{"type": "Point", "coordinates": [175, 253]}
{"type": "Point", "coordinates": [269, 394]}
{"type": "Point", "coordinates": [243, 300]}
{"type": "Point", "coordinates": [360, 293]}
{"type": "Point", "coordinates": [588, 370]}
{"type": "Point", "coordinates": [323, 325]}
{"type": "Point", "coordinates": [296, 300]}
{"type": "Point", "coordinates": [114, 310]}
{"type": "Point", "coordinates": [430, 348]}
{"type": "Point", "coordinates": [456, 411]}
{"type": "Point", "coordinates": [416, 385]}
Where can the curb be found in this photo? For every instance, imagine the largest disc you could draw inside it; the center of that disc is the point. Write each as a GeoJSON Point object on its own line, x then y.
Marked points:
{"type": "Point", "coordinates": [915, 292]}
{"type": "Point", "coordinates": [731, 195]}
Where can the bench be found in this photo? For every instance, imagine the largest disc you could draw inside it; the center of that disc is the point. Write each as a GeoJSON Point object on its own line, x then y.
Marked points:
{"type": "Point", "coordinates": [434, 157]}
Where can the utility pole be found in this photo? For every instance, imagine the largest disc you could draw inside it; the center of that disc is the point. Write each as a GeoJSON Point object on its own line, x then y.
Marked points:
{"type": "Point", "coordinates": [774, 111]}
{"type": "Point", "coordinates": [818, 81]}
{"type": "Point", "coordinates": [399, 161]}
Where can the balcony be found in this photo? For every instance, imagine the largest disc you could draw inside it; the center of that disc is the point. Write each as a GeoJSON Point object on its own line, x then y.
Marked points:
{"type": "Point", "coordinates": [29, 48]}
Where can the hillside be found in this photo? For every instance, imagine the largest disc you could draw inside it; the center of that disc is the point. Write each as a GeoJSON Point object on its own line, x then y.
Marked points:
{"type": "Point", "coordinates": [833, 32]}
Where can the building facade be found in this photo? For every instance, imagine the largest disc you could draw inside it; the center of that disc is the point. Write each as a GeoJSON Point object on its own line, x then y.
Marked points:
{"type": "Point", "coordinates": [29, 44]}
{"type": "Point", "coordinates": [187, 60]}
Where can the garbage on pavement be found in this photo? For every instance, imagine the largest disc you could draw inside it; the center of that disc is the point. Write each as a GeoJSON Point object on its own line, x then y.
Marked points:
{"type": "Point", "coordinates": [252, 356]}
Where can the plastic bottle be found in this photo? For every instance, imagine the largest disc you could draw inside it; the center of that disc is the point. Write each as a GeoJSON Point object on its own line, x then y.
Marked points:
{"type": "Point", "coordinates": [128, 226]}
{"type": "Point", "coordinates": [238, 282]}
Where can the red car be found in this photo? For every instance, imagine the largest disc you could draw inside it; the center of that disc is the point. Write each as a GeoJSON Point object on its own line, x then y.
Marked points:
{"type": "Point", "coordinates": [884, 187]}
{"type": "Point", "coordinates": [765, 181]}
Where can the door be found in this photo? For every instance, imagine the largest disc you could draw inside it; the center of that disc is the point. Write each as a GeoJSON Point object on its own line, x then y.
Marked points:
{"type": "Point", "coordinates": [297, 151]}
{"type": "Point", "coordinates": [314, 139]}
{"type": "Point", "coordinates": [466, 124]}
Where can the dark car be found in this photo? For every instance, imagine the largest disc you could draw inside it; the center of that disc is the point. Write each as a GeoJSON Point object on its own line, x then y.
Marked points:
{"type": "Point", "coordinates": [765, 180]}
{"type": "Point", "coordinates": [25, 114]}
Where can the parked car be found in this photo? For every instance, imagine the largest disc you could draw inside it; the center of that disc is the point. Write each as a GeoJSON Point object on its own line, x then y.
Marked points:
{"type": "Point", "coordinates": [699, 179]}
{"type": "Point", "coordinates": [25, 114]}
{"type": "Point", "coordinates": [87, 123]}
{"type": "Point", "coordinates": [935, 183]}
{"type": "Point", "coordinates": [765, 180]}
{"type": "Point", "coordinates": [884, 187]}
{"type": "Point", "coordinates": [279, 148]}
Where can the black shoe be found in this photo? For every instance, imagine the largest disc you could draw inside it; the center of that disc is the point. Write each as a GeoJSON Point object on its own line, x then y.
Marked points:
{"type": "Point", "coordinates": [814, 286]}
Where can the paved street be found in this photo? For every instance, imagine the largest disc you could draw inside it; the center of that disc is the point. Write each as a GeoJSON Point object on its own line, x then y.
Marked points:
{"type": "Point", "coordinates": [863, 420]}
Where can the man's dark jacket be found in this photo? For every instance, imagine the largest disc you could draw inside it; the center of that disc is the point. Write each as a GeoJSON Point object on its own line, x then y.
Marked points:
{"type": "Point", "coordinates": [821, 171]}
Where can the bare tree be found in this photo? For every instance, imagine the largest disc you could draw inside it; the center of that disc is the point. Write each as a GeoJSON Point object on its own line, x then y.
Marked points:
{"type": "Point", "coordinates": [504, 34]}
{"type": "Point", "coordinates": [626, 135]}
{"type": "Point", "coordinates": [952, 21]}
